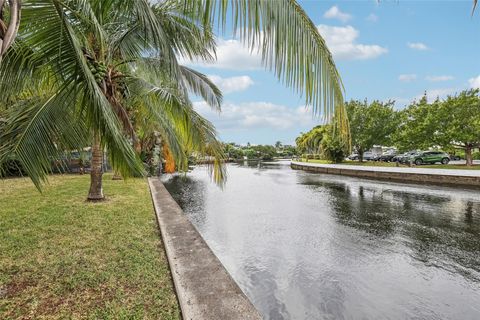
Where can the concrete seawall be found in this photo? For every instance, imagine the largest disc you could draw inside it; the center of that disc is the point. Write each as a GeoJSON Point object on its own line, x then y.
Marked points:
{"type": "Point", "coordinates": [204, 288]}
{"type": "Point", "coordinates": [440, 177]}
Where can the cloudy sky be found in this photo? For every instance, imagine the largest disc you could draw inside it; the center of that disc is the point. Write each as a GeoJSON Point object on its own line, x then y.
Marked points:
{"type": "Point", "coordinates": [383, 49]}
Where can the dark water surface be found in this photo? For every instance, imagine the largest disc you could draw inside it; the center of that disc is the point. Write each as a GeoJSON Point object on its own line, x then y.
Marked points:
{"type": "Point", "coordinates": [312, 246]}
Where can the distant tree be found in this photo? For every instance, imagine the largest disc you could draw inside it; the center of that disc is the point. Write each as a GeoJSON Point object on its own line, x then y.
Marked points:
{"type": "Point", "coordinates": [371, 124]}
{"type": "Point", "coordinates": [232, 151]}
{"type": "Point", "coordinates": [250, 153]}
{"type": "Point", "coordinates": [265, 152]}
{"type": "Point", "coordinates": [417, 126]}
{"type": "Point", "coordinates": [289, 151]}
{"type": "Point", "coordinates": [333, 147]}
{"type": "Point", "coordinates": [278, 145]}
{"type": "Point", "coordinates": [457, 120]}
{"type": "Point", "coordinates": [310, 142]}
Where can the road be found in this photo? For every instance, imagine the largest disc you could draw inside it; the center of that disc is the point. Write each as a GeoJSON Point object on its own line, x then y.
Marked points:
{"type": "Point", "coordinates": [417, 170]}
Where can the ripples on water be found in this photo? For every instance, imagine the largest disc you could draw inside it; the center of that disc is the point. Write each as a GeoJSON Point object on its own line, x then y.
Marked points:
{"type": "Point", "coordinates": [312, 246]}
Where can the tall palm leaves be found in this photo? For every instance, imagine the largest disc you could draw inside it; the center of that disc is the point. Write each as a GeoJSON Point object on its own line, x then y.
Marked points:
{"type": "Point", "coordinates": [290, 45]}
{"type": "Point", "coordinates": [310, 142]}
{"type": "Point", "coordinates": [104, 59]}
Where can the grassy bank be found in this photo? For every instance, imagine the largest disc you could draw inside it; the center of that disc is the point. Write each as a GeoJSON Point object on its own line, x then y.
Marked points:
{"type": "Point", "coordinates": [62, 257]}
{"type": "Point", "coordinates": [393, 164]}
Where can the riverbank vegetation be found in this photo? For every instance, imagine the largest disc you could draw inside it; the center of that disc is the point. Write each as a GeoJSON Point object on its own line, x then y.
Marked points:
{"type": "Point", "coordinates": [234, 152]}
{"type": "Point", "coordinates": [63, 257]}
{"type": "Point", "coordinates": [452, 125]}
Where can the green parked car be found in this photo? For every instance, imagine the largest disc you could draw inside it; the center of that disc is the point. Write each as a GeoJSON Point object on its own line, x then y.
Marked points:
{"type": "Point", "coordinates": [432, 157]}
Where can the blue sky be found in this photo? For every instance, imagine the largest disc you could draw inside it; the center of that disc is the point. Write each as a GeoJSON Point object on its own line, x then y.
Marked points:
{"type": "Point", "coordinates": [384, 50]}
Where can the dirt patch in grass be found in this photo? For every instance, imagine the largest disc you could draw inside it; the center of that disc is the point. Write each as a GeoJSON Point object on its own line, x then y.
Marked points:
{"type": "Point", "coordinates": [66, 258]}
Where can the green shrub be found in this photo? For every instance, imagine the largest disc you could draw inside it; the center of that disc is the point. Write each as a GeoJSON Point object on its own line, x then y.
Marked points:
{"type": "Point", "coordinates": [333, 147]}
{"type": "Point", "coordinates": [12, 168]}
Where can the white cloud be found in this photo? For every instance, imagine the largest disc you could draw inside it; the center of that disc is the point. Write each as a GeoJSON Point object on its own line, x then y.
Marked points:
{"type": "Point", "coordinates": [335, 13]}
{"type": "Point", "coordinates": [475, 82]}
{"type": "Point", "coordinates": [256, 115]}
{"type": "Point", "coordinates": [417, 46]}
{"type": "Point", "coordinates": [439, 78]}
{"type": "Point", "coordinates": [407, 77]}
{"type": "Point", "coordinates": [342, 43]}
{"type": "Point", "coordinates": [233, 84]}
{"type": "Point", "coordinates": [372, 17]}
{"type": "Point", "coordinates": [232, 55]}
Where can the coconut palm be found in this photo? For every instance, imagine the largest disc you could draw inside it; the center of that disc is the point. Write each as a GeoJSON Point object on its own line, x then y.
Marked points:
{"type": "Point", "coordinates": [310, 142]}
{"type": "Point", "coordinates": [104, 59]}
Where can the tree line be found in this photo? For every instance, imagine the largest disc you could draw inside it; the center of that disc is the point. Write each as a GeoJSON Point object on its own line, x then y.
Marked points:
{"type": "Point", "coordinates": [451, 124]}
{"type": "Point", "coordinates": [235, 152]}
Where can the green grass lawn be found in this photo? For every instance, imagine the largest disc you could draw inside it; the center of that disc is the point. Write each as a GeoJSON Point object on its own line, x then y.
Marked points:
{"type": "Point", "coordinates": [65, 258]}
{"type": "Point", "coordinates": [392, 164]}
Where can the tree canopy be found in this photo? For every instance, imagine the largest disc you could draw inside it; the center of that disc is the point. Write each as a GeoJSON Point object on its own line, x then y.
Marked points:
{"type": "Point", "coordinates": [452, 123]}
{"type": "Point", "coordinates": [371, 124]}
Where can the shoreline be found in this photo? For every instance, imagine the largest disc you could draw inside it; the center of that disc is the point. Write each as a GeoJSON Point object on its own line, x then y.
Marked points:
{"type": "Point", "coordinates": [204, 288]}
{"type": "Point", "coordinates": [449, 177]}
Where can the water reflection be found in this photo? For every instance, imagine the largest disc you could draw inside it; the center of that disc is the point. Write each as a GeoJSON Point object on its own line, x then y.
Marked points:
{"type": "Point", "coordinates": [309, 246]}
{"type": "Point", "coordinates": [434, 226]}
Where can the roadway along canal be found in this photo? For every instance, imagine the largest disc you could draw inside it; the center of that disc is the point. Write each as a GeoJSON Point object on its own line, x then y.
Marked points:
{"type": "Point", "coordinates": [312, 246]}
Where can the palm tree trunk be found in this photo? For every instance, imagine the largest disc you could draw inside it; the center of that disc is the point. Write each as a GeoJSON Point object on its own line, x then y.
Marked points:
{"type": "Point", "coordinates": [9, 33]}
{"type": "Point", "coordinates": [96, 173]}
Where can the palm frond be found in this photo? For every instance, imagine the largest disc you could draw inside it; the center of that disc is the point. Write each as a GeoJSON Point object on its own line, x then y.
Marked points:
{"type": "Point", "coordinates": [51, 32]}
{"type": "Point", "coordinates": [39, 130]}
{"type": "Point", "coordinates": [184, 130]}
{"type": "Point", "coordinates": [290, 44]}
{"type": "Point", "coordinates": [201, 85]}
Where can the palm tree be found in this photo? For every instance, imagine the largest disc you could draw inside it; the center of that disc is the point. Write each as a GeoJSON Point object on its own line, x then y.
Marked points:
{"type": "Point", "coordinates": [103, 59]}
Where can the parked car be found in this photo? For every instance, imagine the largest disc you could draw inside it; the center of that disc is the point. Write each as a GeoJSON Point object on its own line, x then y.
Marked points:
{"type": "Point", "coordinates": [455, 158]}
{"type": "Point", "coordinates": [353, 156]}
{"type": "Point", "coordinates": [397, 157]}
{"type": "Point", "coordinates": [369, 156]}
{"type": "Point", "coordinates": [404, 157]}
{"type": "Point", "coordinates": [387, 156]}
{"type": "Point", "coordinates": [430, 157]}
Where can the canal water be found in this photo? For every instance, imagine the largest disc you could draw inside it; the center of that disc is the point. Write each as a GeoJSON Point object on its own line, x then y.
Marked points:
{"type": "Point", "coordinates": [313, 246]}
